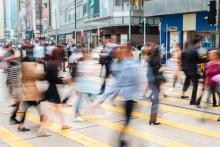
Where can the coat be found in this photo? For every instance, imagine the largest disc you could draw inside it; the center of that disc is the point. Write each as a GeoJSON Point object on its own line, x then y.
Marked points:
{"type": "Point", "coordinates": [29, 78]}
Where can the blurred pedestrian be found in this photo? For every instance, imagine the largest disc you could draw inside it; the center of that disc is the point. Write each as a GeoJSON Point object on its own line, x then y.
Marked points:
{"type": "Point", "coordinates": [155, 79]}
{"type": "Point", "coordinates": [212, 69]}
{"type": "Point", "coordinates": [51, 95]}
{"type": "Point", "coordinates": [31, 96]}
{"type": "Point", "coordinates": [126, 85]}
{"type": "Point", "coordinates": [85, 84]}
{"type": "Point", "coordinates": [177, 60]}
{"type": "Point", "coordinates": [13, 79]}
{"type": "Point", "coordinates": [106, 58]}
{"type": "Point", "coordinates": [190, 61]}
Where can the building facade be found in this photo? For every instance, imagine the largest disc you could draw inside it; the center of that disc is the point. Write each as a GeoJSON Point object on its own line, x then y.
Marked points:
{"type": "Point", "coordinates": [96, 21]}
{"type": "Point", "coordinates": [181, 20]}
{"type": "Point", "coordinates": [1, 20]}
{"type": "Point", "coordinates": [10, 18]}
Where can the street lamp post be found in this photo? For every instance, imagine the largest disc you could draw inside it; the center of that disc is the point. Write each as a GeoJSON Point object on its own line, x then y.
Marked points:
{"type": "Point", "coordinates": [56, 26]}
{"type": "Point", "coordinates": [129, 36]}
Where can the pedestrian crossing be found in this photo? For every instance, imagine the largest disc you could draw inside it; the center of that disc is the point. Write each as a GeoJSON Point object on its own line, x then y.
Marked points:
{"type": "Point", "coordinates": [143, 132]}
{"type": "Point", "coordinates": [14, 140]}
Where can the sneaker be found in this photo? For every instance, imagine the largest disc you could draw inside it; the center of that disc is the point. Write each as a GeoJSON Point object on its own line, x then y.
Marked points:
{"type": "Point", "coordinates": [23, 129]}
{"type": "Point", "coordinates": [78, 119]}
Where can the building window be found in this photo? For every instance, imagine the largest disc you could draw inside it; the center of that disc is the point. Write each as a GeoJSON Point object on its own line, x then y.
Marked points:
{"type": "Point", "coordinates": [118, 2]}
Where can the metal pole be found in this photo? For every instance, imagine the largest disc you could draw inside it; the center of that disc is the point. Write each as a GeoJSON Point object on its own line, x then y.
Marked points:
{"type": "Point", "coordinates": [166, 42]}
{"type": "Point", "coordinates": [129, 36]}
{"type": "Point", "coordinates": [145, 20]}
{"type": "Point", "coordinates": [56, 26]}
{"type": "Point", "coordinates": [75, 24]}
{"type": "Point", "coordinates": [217, 25]}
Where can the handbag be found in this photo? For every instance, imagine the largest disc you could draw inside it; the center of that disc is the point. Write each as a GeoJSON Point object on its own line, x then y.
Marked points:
{"type": "Point", "coordinates": [160, 78]}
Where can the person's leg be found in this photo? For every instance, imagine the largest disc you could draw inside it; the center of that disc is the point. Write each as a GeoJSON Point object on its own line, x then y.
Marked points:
{"type": "Point", "coordinates": [174, 81]}
{"type": "Point", "coordinates": [194, 79]}
{"type": "Point", "coordinates": [13, 119]}
{"type": "Point", "coordinates": [186, 85]}
{"type": "Point", "coordinates": [107, 74]}
{"type": "Point", "coordinates": [58, 110]}
{"type": "Point", "coordinates": [214, 97]}
{"type": "Point", "coordinates": [200, 97]}
{"type": "Point", "coordinates": [128, 106]}
{"type": "Point", "coordinates": [155, 103]}
{"type": "Point", "coordinates": [25, 105]}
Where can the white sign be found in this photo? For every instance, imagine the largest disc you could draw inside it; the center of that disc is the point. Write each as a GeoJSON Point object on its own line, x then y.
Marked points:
{"type": "Point", "coordinates": [172, 28]}
{"type": "Point", "coordinates": [124, 38]}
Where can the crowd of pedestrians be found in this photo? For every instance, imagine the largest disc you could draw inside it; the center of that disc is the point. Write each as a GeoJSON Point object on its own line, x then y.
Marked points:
{"type": "Point", "coordinates": [120, 65]}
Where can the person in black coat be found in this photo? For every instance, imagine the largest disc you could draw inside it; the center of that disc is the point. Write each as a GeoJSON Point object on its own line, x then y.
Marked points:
{"type": "Point", "coordinates": [52, 95]}
{"type": "Point", "coordinates": [190, 61]}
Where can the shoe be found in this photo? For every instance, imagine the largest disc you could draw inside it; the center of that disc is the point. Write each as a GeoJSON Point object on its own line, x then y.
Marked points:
{"type": "Point", "coordinates": [65, 127]}
{"type": "Point", "coordinates": [192, 103]}
{"type": "Point", "coordinates": [13, 105]}
{"type": "Point", "coordinates": [123, 143]}
{"type": "Point", "coordinates": [184, 97]}
{"type": "Point", "coordinates": [214, 105]}
{"type": "Point", "coordinates": [218, 119]}
{"type": "Point", "coordinates": [78, 119]}
{"type": "Point", "coordinates": [154, 123]}
{"type": "Point", "coordinates": [23, 129]}
{"type": "Point", "coordinates": [13, 121]}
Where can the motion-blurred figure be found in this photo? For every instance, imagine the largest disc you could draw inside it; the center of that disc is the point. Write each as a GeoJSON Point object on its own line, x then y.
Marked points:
{"type": "Point", "coordinates": [190, 61]}
{"type": "Point", "coordinates": [155, 79]}
{"type": "Point", "coordinates": [13, 79]}
{"type": "Point", "coordinates": [125, 70]}
{"type": "Point", "coordinates": [84, 82]}
{"type": "Point", "coordinates": [177, 62]}
{"type": "Point", "coordinates": [212, 69]}
{"type": "Point", "coordinates": [31, 95]}
{"type": "Point", "coordinates": [51, 95]}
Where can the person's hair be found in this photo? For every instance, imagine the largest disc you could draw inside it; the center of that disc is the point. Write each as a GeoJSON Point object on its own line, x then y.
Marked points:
{"type": "Point", "coordinates": [7, 46]}
{"type": "Point", "coordinates": [196, 39]}
{"type": "Point", "coordinates": [58, 53]}
{"type": "Point", "coordinates": [217, 52]}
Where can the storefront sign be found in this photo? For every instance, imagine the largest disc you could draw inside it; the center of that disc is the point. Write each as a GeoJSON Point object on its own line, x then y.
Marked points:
{"type": "Point", "coordinates": [172, 28]}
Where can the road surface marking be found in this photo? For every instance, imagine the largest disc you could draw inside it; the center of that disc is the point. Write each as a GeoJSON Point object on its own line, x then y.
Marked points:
{"type": "Point", "coordinates": [131, 131]}
{"type": "Point", "coordinates": [12, 139]}
{"type": "Point", "coordinates": [183, 101]}
{"type": "Point", "coordinates": [186, 127]}
{"type": "Point", "coordinates": [77, 137]}
{"type": "Point", "coordinates": [182, 111]}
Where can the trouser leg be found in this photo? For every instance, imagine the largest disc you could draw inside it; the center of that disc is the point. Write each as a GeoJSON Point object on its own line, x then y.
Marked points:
{"type": "Point", "coordinates": [194, 79]}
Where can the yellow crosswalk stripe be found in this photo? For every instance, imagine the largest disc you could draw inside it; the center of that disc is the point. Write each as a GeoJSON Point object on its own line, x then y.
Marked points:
{"type": "Point", "coordinates": [12, 139]}
{"type": "Point", "coordinates": [183, 101]}
{"type": "Point", "coordinates": [77, 137]}
{"type": "Point", "coordinates": [182, 111]}
{"type": "Point", "coordinates": [186, 127]}
{"type": "Point", "coordinates": [131, 131]}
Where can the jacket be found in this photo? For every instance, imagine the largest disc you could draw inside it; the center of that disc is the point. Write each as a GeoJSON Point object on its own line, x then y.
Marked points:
{"type": "Point", "coordinates": [29, 78]}
{"type": "Point", "coordinates": [191, 60]}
